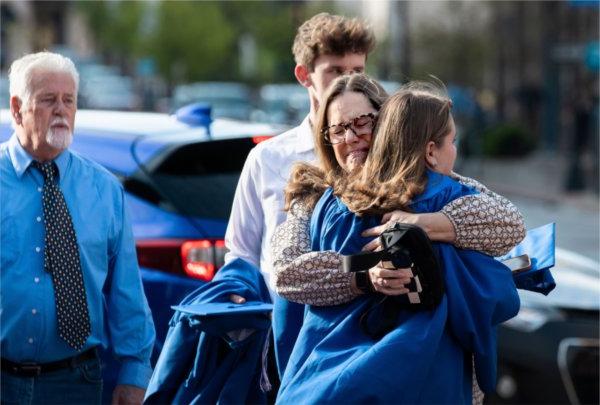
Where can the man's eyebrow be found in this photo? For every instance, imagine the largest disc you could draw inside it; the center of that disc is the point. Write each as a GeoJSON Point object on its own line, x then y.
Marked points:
{"type": "Point", "coordinates": [342, 67]}
{"type": "Point", "coordinates": [52, 94]}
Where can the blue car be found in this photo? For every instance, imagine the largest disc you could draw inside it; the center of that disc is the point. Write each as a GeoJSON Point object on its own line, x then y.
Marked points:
{"type": "Point", "coordinates": [179, 173]}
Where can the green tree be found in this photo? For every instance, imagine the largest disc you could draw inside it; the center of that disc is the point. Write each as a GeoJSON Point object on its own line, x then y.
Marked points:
{"type": "Point", "coordinates": [193, 41]}
{"type": "Point", "coordinates": [116, 27]}
{"type": "Point", "coordinates": [198, 40]}
{"type": "Point", "coordinates": [273, 26]}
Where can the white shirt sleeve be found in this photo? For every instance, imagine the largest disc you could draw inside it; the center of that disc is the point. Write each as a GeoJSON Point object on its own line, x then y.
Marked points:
{"type": "Point", "coordinates": [258, 202]}
{"type": "Point", "coordinates": [245, 228]}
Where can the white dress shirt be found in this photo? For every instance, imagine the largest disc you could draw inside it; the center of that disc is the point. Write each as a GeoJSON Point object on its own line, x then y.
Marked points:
{"type": "Point", "coordinates": [258, 203]}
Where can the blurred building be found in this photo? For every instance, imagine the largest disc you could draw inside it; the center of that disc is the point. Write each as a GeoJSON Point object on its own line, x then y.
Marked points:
{"type": "Point", "coordinates": [29, 26]}
{"type": "Point", "coordinates": [538, 64]}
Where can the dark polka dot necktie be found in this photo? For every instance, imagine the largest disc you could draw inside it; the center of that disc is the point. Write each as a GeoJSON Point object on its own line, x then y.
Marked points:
{"type": "Point", "coordinates": [61, 260]}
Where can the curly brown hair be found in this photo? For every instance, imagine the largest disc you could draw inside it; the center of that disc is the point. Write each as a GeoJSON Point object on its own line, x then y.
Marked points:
{"type": "Point", "coordinates": [326, 34]}
{"type": "Point", "coordinates": [307, 181]}
{"type": "Point", "coordinates": [396, 170]}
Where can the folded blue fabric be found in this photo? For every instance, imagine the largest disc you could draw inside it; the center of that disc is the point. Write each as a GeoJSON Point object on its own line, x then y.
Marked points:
{"type": "Point", "coordinates": [539, 244]}
{"type": "Point", "coordinates": [224, 308]}
{"type": "Point", "coordinates": [214, 348]}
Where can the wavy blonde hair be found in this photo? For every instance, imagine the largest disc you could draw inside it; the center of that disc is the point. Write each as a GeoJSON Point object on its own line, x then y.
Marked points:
{"type": "Point", "coordinates": [307, 181]}
{"type": "Point", "coordinates": [395, 170]}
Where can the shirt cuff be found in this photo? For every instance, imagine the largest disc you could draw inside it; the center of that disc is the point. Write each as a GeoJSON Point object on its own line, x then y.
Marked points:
{"type": "Point", "coordinates": [133, 372]}
{"type": "Point", "coordinates": [457, 239]}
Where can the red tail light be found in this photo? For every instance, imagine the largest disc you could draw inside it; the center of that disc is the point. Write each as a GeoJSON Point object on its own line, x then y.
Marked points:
{"type": "Point", "coordinates": [260, 138]}
{"type": "Point", "coordinates": [195, 258]}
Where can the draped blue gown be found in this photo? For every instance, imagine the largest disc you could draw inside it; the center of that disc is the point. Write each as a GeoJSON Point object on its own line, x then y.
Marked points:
{"type": "Point", "coordinates": [428, 357]}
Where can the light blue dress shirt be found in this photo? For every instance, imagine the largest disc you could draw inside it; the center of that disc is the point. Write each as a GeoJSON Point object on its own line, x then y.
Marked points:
{"type": "Point", "coordinates": [119, 313]}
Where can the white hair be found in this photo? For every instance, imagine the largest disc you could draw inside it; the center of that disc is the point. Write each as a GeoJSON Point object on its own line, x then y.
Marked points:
{"type": "Point", "coordinates": [21, 70]}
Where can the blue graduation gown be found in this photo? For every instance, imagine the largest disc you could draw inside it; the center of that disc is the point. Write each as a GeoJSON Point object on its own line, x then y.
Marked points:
{"type": "Point", "coordinates": [201, 361]}
{"type": "Point", "coordinates": [427, 358]}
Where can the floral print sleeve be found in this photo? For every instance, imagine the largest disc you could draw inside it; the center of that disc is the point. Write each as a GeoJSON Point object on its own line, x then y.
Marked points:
{"type": "Point", "coordinates": [486, 222]}
{"type": "Point", "coordinates": [300, 275]}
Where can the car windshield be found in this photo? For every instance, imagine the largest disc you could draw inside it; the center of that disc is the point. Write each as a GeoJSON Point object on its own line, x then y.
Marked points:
{"type": "Point", "coordinates": [195, 180]}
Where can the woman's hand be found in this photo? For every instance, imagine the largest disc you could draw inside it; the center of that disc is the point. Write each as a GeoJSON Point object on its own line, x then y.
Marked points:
{"type": "Point", "coordinates": [390, 282]}
{"type": "Point", "coordinates": [436, 225]}
{"type": "Point", "coordinates": [388, 220]}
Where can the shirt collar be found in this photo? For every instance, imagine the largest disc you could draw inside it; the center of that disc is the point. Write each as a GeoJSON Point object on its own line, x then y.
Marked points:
{"type": "Point", "coordinates": [21, 159]}
{"type": "Point", "coordinates": [305, 136]}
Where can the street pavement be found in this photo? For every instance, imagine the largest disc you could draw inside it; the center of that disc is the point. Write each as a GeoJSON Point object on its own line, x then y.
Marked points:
{"type": "Point", "coordinates": [536, 186]}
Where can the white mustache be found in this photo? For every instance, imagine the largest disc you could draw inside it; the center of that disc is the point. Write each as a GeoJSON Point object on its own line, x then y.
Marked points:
{"type": "Point", "coordinates": [60, 121]}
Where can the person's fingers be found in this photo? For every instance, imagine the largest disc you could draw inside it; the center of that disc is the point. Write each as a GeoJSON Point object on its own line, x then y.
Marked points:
{"type": "Point", "coordinates": [389, 273]}
{"type": "Point", "coordinates": [375, 231]}
{"type": "Point", "coordinates": [407, 272]}
{"type": "Point", "coordinates": [392, 291]}
{"type": "Point", "coordinates": [391, 282]}
{"type": "Point", "coordinates": [397, 216]}
{"type": "Point", "coordinates": [374, 245]}
{"type": "Point", "coordinates": [386, 217]}
{"type": "Point", "coordinates": [396, 283]}
{"type": "Point", "coordinates": [237, 299]}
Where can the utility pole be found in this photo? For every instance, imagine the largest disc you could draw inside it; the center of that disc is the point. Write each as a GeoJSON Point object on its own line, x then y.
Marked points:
{"type": "Point", "coordinates": [399, 45]}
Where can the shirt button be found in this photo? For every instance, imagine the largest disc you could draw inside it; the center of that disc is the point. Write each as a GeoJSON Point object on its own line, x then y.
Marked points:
{"type": "Point", "coordinates": [34, 311]}
{"type": "Point", "coordinates": [40, 189]}
{"type": "Point", "coordinates": [30, 340]}
{"type": "Point", "coordinates": [36, 279]}
{"type": "Point", "coordinates": [39, 219]}
{"type": "Point", "coordinates": [37, 249]}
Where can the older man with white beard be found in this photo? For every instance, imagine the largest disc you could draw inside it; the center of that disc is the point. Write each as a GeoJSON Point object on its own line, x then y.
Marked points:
{"type": "Point", "coordinates": [70, 281]}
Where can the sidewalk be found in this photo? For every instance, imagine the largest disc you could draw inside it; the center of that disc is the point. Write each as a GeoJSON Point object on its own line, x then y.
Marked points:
{"type": "Point", "coordinates": [536, 185]}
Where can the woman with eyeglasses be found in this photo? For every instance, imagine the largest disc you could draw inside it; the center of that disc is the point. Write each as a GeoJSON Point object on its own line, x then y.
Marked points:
{"type": "Point", "coordinates": [309, 273]}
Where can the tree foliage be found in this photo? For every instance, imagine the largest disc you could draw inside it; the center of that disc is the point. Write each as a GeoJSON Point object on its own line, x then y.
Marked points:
{"type": "Point", "coordinates": [115, 25]}
{"type": "Point", "coordinates": [198, 40]}
{"type": "Point", "coordinates": [193, 41]}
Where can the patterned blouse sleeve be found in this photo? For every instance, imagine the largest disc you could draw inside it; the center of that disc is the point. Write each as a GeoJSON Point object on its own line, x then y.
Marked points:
{"type": "Point", "coordinates": [300, 275]}
{"type": "Point", "coordinates": [486, 222]}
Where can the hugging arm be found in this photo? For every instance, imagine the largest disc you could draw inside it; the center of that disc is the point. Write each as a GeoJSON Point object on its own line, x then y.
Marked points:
{"type": "Point", "coordinates": [304, 276]}
{"type": "Point", "coordinates": [486, 222]}
{"type": "Point", "coordinates": [317, 278]}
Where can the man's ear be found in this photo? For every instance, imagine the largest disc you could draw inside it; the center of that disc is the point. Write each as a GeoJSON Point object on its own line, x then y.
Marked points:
{"type": "Point", "coordinates": [15, 109]}
{"type": "Point", "coordinates": [302, 74]}
{"type": "Point", "coordinates": [431, 154]}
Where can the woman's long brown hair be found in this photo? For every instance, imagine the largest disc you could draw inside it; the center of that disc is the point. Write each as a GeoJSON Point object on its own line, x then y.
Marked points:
{"type": "Point", "coordinates": [395, 170]}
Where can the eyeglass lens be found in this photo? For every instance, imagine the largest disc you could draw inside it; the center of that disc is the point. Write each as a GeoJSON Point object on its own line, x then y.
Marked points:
{"type": "Point", "coordinates": [361, 125]}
